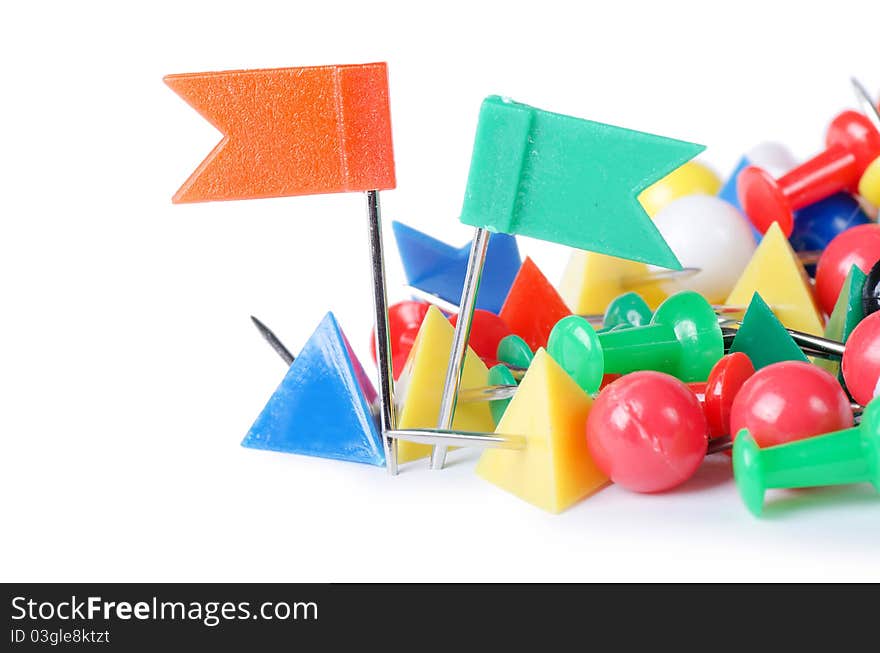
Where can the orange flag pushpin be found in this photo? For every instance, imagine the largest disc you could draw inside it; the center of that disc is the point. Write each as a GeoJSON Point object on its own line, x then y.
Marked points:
{"type": "Point", "coordinates": [302, 131]}
{"type": "Point", "coordinates": [291, 131]}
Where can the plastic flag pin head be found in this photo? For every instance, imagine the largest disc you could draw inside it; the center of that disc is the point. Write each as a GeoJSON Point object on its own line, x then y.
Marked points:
{"type": "Point", "coordinates": [322, 407]}
{"type": "Point", "coordinates": [303, 131]}
{"type": "Point", "coordinates": [568, 180]}
{"type": "Point", "coordinates": [438, 268]}
{"type": "Point", "coordinates": [291, 131]}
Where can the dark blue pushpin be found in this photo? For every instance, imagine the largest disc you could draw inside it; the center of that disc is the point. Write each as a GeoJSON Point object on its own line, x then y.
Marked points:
{"type": "Point", "coordinates": [817, 224]}
{"type": "Point", "coordinates": [439, 269]}
{"type": "Point", "coordinates": [322, 407]}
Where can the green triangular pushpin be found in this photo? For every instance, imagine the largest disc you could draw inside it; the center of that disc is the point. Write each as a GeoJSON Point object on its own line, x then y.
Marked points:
{"type": "Point", "coordinates": [847, 313]}
{"type": "Point", "coordinates": [763, 338]}
{"type": "Point", "coordinates": [568, 180]}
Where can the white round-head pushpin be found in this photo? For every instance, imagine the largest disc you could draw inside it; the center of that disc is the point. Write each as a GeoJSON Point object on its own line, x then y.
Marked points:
{"type": "Point", "coordinates": [775, 158]}
{"type": "Point", "coordinates": [709, 234]}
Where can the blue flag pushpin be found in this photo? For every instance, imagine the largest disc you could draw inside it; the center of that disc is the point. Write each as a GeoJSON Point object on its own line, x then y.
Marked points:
{"type": "Point", "coordinates": [322, 407]}
{"type": "Point", "coordinates": [439, 269]}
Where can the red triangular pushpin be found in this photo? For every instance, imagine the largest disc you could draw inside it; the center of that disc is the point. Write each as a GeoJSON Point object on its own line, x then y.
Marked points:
{"type": "Point", "coordinates": [533, 306]}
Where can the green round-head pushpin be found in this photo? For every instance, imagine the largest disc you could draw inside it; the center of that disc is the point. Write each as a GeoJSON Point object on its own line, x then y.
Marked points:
{"type": "Point", "coordinates": [842, 457]}
{"type": "Point", "coordinates": [574, 344]}
{"type": "Point", "coordinates": [626, 310]}
{"type": "Point", "coordinates": [513, 350]}
{"type": "Point", "coordinates": [683, 339]}
{"type": "Point", "coordinates": [500, 375]}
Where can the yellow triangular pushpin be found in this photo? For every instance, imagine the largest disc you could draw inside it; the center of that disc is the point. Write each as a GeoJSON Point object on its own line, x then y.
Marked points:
{"type": "Point", "coordinates": [421, 383]}
{"type": "Point", "coordinates": [776, 273]}
{"type": "Point", "coordinates": [591, 281]}
{"type": "Point", "coordinates": [555, 470]}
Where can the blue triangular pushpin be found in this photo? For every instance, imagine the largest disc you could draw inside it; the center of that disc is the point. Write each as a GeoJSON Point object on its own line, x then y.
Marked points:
{"type": "Point", "coordinates": [322, 407]}
{"type": "Point", "coordinates": [438, 268]}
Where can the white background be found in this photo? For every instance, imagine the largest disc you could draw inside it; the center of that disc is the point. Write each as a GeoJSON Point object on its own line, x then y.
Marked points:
{"type": "Point", "coordinates": [129, 370]}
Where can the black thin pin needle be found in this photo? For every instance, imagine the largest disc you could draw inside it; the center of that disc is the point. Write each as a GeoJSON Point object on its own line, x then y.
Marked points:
{"type": "Point", "coordinates": [273, 340]}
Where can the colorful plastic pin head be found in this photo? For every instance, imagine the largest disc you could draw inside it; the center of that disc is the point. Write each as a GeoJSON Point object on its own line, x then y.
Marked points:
{"type": "Point", "coordinates": [692, 178]}
{"type": "Point", "coordinates": [778, 275]}
{"type": "Point", "coordinates": [568, 180]}
{"type": "Point", "coordinates": [322, 407]}
{"type": "Point", "coordinates": [291, 131]}
{"type": "Point", "coordinates": [591, 281]}
{"type": "Point", "coordinates": [869, 184]}
{"type": "Point", "coordinates": [848, 456]}
{"type": "Point", "coordinates": [852, 143]}
{"type": "Point", "coordinates": [439, 269]}
{"type": "Point", "coordinates": [647, 432]}
{"type": "Point", "coordinates": [487, 330]}
{"type": "Point", "coordinates": [790, 401]}
{"type": "Point", "coordinates": [861, 360]}
{"type": "Point", "coordinates": [500, 375]}
{"type": "Point", "coordinates": [513, 350]}
{"type": "Point", "coordinates": [683, 339]}
{"type": "Point", "coordinates": [574, 345]}
{"type": "Point", "coordinates": [418, 391]}
{"type": "Point", "coordinates": [847, 313]}
{"type": "Point", "coordinates": [710, 235]}
{"type": "Point", "coordinates": [404, 320]}
{"type": "Point", "coordinates": [721, 389]}
{"type": "Point", "coordinates": [555, 470]}
{"type": "Point", "coordinates": [533, 306]}
{"type": "Point", "coordinates": [859, 246]}
{"type": "Point", "coordinates": [775, 158]}
{"type": "Point", "coordinates": [763, 337]}
{"type": "Point", "coordinates": [818, 224]}
{"type": "Point", "coordinates": [626, 310]}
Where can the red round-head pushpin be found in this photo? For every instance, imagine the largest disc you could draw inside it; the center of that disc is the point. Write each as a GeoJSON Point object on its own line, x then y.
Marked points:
{"type": "Point", "coordinates": [852, 143]}
{"type": "Point", "coordinates": [720, 390]}
{"type": "Point", "coordinates": [646, 432]}
{"type": "Point", "coordinates": [404, 320]}
{"type": "Point", "coordinates": [861, 360]}
{"type": "Point", "coordinates": [859, 246]}
{"type": "Point", "coordinates": [790, 401]}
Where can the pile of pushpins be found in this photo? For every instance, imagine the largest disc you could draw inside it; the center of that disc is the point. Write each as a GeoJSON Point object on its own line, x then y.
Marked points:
{"type": "Point", "coordinates": [696, 316]}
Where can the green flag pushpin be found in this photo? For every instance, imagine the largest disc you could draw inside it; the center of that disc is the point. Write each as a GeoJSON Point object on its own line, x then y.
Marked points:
{"type": "Point", "coordinates": [848, 456]}
{"type": "Point", "coordinates": [764, 338]}
{"type": "Point", "coordinates": [562, 179]}
{"type": "Point", "coordinates": [568, 180]}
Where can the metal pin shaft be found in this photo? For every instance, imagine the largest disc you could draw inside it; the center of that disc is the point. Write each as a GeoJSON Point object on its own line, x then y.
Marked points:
{"type": "Point", "coordinates": [472, 276]}
{"type": "Point", "coordinates": [460, 438]}
{"type": "Point", "coordinates": [273, 340]}
{"type": "Point", "coordinates": [866, 104]}
{"type": "Point", "coordinates": [383, 336]}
